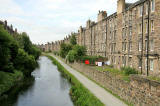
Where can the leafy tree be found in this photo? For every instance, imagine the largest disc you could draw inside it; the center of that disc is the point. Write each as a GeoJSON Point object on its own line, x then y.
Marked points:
{"type": "Point", "coordinates": [71, 56]}
{"type": "Point", "coordinates": [65, 48]}
{"type": "Point", "coordinates": [5, 43]}
{"type": "Point", "coordinates": [25, 62]}
{"type": "Point", "coordinates": [73, 39]}
{"type": "Point", "coordinates": [80, 51]}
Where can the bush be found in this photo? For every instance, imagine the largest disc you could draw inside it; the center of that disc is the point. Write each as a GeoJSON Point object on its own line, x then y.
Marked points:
{"type": "Point", "coordinates": [129, 70]}
{"type": "Point", "coordinates": [71, 56]}
{"type": "Point", "coordinates": [92, 59]}
{"type": "Point", "coordinates": [25, 62]}
{"type": "Point", "coordinates": [65, 48]}
{"type": "Point", "coordinates": [73, 39]}
{"type": "Point", "coordinates": [80, 51]}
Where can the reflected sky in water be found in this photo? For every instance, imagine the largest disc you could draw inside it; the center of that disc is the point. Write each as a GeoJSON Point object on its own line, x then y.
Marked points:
{"type": "Point", "coordinates": [49, 88]}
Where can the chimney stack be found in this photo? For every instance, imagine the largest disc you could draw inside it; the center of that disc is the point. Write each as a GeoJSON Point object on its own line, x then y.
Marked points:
{"type": "Point", "coordinates": [120, 6]}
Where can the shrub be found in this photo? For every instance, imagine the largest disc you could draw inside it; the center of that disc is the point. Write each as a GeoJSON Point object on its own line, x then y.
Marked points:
{"type": "Point", "coordinates": [25, 62]}
{"type": "Point", "coordinates": [91, 59]}
{"type": "Point", "coordinates": [65, 48]}
{"type": "Point", "coordinates": [71, 56]}
{"type": "Point", "coordinates": [80, 51]}
{"type": "Point", "coordinates": [129, 70]}
{"type": "Point", "coordinates": [73, 39]}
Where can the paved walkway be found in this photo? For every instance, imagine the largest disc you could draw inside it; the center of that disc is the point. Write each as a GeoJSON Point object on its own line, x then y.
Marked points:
{"type": "Point", "coordinates": [105, 97]}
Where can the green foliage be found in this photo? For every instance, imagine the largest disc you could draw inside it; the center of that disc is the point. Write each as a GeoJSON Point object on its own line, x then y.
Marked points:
{"type": "Point", "coordinates": [91, 59]}
{"type": "Point", "coordinates": [71, 56]}
{"type": "Point", "coordinates": [7, 80]}
{"type": "Point", "coordinates": [73, 39]}
{"type": "Point", "coordinates": [80, 95]}
{"type": "Point", "coordinates": [55, 53]}
{"type": "Point", "coordinates": [25, 62]}
{"type": "Point", "coordinates": [80, 51]}
{"type": "Point", "coordinates": [76, 53]}
{"type": "Point", "coordinates": [6, 42]}
{"type": "Point", "coordinates": [129, 70]}
{"type": "Point", "coordinates": [36, 52]}
{"type": "Point", "coordinates": [65, 48]}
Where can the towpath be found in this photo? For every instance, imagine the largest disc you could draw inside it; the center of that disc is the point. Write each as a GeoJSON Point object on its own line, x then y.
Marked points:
{"type": "Point", "coordinates": [104, 96]}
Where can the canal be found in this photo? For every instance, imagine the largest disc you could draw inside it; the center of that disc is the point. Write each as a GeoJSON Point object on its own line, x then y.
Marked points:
{"type": "Point", "coordinates": [50, 88]}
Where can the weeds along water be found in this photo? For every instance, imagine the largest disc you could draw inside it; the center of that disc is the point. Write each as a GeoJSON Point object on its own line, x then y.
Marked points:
{"type": "Point", "coordinates": [80, 95]}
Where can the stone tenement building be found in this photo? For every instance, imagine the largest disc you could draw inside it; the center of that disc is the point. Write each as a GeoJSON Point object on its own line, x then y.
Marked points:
{"type": "Point", "coordinates": [128, 37]}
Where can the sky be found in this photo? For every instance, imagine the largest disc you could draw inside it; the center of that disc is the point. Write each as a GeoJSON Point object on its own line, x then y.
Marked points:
{"type": "Point", "coordinates": [52, 20]}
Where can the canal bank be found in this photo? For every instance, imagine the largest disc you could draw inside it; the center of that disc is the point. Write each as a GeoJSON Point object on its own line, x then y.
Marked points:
{"type": "Point", "coordinates": [47, 87]}
{"type": "Point", "coordinates": [107, 98]}
{"type": "Point", "coordinates": [81, 96]}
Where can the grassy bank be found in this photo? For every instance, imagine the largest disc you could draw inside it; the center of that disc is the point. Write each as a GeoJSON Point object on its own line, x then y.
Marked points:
{"type": "Point", "coordinates": [79, 94]}
{"type": "Point", "coordinates": [8, 80]}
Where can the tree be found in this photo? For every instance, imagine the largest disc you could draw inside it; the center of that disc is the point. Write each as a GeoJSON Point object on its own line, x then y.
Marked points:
{"type": "Point", "coordinates": [71, 56]}
{"type": "Point", "coordinates": [24, 62]}
{"type": "Point", "coordinates": [65, 48]}
{"type": "Point", "coordinates": [73, 39]}
{"type": "Point", "coordinates": [80, 50]}
{"type": "Point", "coordinates": [5, 56]}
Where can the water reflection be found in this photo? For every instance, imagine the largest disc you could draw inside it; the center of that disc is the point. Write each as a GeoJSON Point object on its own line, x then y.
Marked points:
{"type": "Point", "coordinates": [49, 88]}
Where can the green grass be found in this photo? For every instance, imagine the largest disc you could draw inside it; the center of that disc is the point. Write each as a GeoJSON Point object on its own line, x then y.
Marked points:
{"type": "Point", "coordinates": [8, 80]}
{"type": "Point", "coordinates": [114, 71]}
{"type": "Point", "coordinates": [154, 78]}
{"type": "Point", "coordinates": [79, 94]}
{"type": "Point", "coordinates": [129, 104]}
{"type": "Point", "coordinates": [102, 69]}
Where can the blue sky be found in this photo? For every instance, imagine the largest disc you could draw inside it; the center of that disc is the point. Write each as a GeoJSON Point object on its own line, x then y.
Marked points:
{"type": "Point", "coordinates": [51, 20]}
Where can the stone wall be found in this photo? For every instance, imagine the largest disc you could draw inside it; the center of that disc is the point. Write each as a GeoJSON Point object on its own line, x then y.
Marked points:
{"type": "Point", "coordinates": [139, 91]}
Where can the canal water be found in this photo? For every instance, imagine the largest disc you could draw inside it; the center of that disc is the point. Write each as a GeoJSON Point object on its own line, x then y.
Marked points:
{"type": "Point", "coordinates": [50, 88]}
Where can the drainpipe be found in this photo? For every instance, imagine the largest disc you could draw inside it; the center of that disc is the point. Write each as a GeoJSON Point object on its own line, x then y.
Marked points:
{"type": "Point", "coordinates": [142, 41]}
{"type": "Point", "coordinates": [148, 38]}
{"type": "Point", "coordinates": [91, 40]}
{"type": "Point", "coordinates": [106, 38]}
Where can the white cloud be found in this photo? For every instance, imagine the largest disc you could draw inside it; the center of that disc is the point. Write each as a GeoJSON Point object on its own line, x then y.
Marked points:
{"type": "Point", "coordinates": [50, 20]}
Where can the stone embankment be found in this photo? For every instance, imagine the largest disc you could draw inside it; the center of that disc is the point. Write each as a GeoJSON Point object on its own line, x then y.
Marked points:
{"type": "Point", "coordinates": [139, 91]}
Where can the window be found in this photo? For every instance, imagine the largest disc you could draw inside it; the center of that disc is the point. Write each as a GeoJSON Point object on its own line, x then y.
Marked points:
{"type": "Point", "coordinates": [130, 46]}
{"type": "Point", "coordinates": [114, 60]}
{"type": "Point", "coordinates": [146, 27]}
{"type": "Point", "coordinates": [152, 26]}
{"type": "Point", "coordinates": [146, 64]}
{"type": "Point", "coordinates": [140, 45]}
{"type": "Point", "coordinates": [140, 63]}
{"type": "Point", "coordinates": [124, 45]}
{"type": "Point", "coordinates": [140, 10]}
{"type": "Point", "coordinates": [130, 61]}
{"type": "Point", "coordinates": [114, 47]}
{"type": "Point", "coordinates": [152, 5]}
{"type": "Point", "coordinates": [151, 64]}
{"type": "Point", "coordinates": [110, 48]}
{"type": "Point", "coordinates": [124, 60]}
{"type": "Point", "coordinates": [151, 45]}
{"type": "Point", "coordinates": [146, 8]}
{"type": "Point", "coordinates": [123, 33]}
{"type": "Point", "coordinates": [140, 28]}
{"type": "Point", "coordinates": [146, 45]}
{"type": "Point", "coordinates": [130, 32]}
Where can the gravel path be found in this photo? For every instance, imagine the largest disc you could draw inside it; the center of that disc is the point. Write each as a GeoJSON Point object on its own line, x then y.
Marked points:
{"type": "Point", "coordinates": [104, 96]}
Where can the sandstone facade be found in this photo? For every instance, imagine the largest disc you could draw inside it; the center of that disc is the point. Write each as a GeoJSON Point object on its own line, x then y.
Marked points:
{"type": "Point", "coordinates": [128, 37]}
